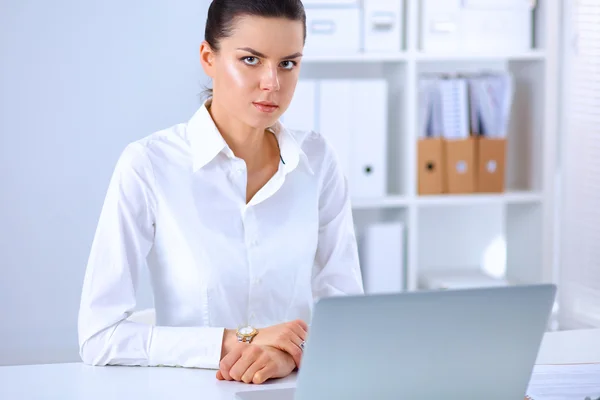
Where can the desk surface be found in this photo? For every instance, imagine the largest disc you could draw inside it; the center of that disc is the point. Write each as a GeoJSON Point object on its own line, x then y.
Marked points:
{"type": "Point", "coordinates": [82, 382]}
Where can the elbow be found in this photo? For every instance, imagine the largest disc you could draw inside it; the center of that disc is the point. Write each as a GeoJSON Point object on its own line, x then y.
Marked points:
{"type": "Point", "coordinates": [90, 352]}
{"type": "Point", "coordinates": [95, 345]}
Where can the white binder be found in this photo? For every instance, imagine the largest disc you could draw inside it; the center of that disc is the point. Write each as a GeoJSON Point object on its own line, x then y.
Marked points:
{"type": "Point", "coordinates": [368, 169]}
{"type": "Point", "coordinates": [336, 104]}
{"type": "Point", "coordinates": [381, 251]}
{"type": "Point", "coordinates": [302, 111]}
{"type": "Point", "coordinates": [353, 117]}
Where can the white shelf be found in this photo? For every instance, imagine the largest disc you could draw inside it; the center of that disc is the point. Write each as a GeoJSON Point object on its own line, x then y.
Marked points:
{"type": "Point", "coordinates": [512, 229]}
{"type": "Point", "coordinates": [531, 55]}
{"type": "Point", "coordinates": [447, 200]}
{"type": "Point", "coordinates": [480, 198]}
{"type": "Point", "coordinates": [424, 57]}
{"type": "Point", "coordinates": [381, 202]}
{"type": "Point", "coordinates": [355, 58]}
{"type": "Point", "coordinates": [459, 279]}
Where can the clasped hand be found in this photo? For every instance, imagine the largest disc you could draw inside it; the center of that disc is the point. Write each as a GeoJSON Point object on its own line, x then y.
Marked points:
{"type": "Point", "coordinates": [274, 353]}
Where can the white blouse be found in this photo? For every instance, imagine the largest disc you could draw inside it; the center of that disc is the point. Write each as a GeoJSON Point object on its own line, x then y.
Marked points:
{"type": "Point", "coordinates": [176, 204]}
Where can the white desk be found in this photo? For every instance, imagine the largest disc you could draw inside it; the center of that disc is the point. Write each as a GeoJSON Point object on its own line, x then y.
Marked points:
{"type": "Point", "coordinates": [82, 382]}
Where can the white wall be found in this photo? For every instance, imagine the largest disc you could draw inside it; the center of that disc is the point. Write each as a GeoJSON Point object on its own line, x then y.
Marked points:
{"type": "Point", "coordinates": [78, 81]}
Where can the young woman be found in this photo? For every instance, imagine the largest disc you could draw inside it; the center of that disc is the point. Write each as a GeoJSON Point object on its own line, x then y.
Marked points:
{"type": "Point", "coordinates": [242, 222]}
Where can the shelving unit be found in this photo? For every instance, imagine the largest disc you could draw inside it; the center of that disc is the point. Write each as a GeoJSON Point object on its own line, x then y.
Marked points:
{"type": "Point", "coordinates": [511, 233]}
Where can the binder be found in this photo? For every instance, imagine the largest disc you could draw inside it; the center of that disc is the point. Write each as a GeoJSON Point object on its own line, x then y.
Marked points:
{"type": "Point", "coordinates": [357, 130]}
{"type": "Point", "coordinates": [336, 99]}
{"type": "Point", "coordinates": [381, 251]}
{"type": "Point", "coordinates": [368, 170]}
{"type": "Point", "coordinates": [302, 111]}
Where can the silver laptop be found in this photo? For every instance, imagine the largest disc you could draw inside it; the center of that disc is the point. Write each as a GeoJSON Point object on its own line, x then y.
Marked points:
{"type": "Point", "coordinates": [454, 344]}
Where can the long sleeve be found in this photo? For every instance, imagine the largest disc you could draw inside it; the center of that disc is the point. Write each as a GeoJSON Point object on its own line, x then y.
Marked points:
{"type": "Point", "coordinates": [123, 239]}
{"type": "Point", "coordinates": [337, 269]}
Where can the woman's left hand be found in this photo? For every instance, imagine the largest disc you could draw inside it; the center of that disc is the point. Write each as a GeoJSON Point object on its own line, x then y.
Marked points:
{"type": "Point", "coordinates": [252, 363]}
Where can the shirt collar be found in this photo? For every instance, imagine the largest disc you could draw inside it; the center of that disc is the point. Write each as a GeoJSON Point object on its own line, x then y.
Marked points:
{"type": "Point", "coordinates": [207, 142]}
{"type": "Point", "coordinates": [205, 139]}
{"type": "Point", "coordinates": [291, 152]}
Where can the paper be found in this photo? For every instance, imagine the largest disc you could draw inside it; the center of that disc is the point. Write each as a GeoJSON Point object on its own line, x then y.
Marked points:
{"type": "Point", "coordinates": [565, 382]}
{"type": "Point", "coordinates": [455, 114]}
{"type": "Point", "coordinates": [430, 124]}
{"type": "Point", "coordinates": [491, 99]}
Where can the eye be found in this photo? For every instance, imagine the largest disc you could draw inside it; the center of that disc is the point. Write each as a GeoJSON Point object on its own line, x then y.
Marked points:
{"type": "Point", "coordinates": [250, 60]}
{"type": "Point", "coordinates": [288, 64]}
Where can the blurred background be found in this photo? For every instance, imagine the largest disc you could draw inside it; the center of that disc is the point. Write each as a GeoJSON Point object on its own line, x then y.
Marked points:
{"type": "Point", "coordinates": [469, 131]}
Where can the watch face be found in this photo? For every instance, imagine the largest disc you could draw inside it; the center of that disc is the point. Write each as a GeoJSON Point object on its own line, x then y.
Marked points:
{"type": "Point", "coordinates": [247, 330]}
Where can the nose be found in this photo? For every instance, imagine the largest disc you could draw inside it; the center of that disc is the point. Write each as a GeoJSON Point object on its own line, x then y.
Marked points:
{"type": "Point", "coordinates": [270, 79]}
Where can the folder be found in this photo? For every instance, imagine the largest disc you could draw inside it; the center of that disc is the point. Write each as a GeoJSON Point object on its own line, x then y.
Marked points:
{"type": "Point", "coordinates": [381, 251]}
{"type": "Point", "coordinates": [430, 145]}
{"type": "Point", "coordinates": [459, 146]}
{"type": "Point", "coordinates": [492, 97]}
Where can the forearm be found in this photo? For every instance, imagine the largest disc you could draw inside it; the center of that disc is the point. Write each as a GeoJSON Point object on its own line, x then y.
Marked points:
{"type": "Point", "coordinates": [129, 343]}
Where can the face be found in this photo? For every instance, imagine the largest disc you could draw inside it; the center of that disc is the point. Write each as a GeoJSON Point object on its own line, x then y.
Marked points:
{"type": "Point", "coordinates": [256, 69]}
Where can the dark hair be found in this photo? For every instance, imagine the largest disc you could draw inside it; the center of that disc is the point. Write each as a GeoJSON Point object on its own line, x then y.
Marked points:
{"type": "Point", "coordinates": [222, 15]}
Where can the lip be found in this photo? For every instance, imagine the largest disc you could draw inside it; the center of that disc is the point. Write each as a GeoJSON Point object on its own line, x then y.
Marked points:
{"type": "Point", "coordinates": [265, 106]}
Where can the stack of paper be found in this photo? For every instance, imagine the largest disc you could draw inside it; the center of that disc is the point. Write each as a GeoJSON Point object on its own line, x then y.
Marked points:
{"type": "Point", "coordinates": [491, 98]}
{"type": "Point", "coordinates": [565, 382]}
{"type": "Point", "coordinates": [455, 107]}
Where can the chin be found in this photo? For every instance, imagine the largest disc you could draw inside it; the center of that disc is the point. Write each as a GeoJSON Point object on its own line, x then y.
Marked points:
{"type": "Point", "coordinates": [262, 121]}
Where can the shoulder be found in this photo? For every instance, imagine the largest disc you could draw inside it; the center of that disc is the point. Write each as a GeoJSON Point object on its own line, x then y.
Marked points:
{"type": "Point", "coordinates": [317, 149]}
{"type": "Point", "coordinates": [153, 149]}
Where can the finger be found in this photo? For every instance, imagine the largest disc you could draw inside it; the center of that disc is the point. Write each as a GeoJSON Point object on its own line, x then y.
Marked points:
{"type": "Point", "coordinates": [220, 375]}
{"type": "Point", "coordinates": [229, 360]}
{"type": "Point", "coordinates": [294, 350]}
{"type": "Point", "coordinates": [264, 373]}
{"type": "Point", "coordinates": [259, 364]}
{"type": "Point", "coordinates": [249, 356]}
{"type": "Point", "coordinates": [299, 330]}
{"type": "Point", "coordinates": [302, 324]}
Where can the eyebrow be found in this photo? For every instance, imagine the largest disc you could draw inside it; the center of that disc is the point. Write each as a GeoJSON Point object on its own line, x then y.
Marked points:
{"type": "Point", "coordinates": [259, 54]}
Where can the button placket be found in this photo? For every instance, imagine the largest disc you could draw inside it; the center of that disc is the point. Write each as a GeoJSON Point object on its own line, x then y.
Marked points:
{"type": "Point", "coordinates": [251, 243]}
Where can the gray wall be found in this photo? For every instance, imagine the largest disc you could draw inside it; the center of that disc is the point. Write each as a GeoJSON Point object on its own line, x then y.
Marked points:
{"type": "Point", "coordinates": [78, 81]}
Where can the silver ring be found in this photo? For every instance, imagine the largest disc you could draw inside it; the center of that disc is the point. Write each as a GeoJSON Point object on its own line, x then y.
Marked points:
{"type": "Point", "coordinates": [302, 345]}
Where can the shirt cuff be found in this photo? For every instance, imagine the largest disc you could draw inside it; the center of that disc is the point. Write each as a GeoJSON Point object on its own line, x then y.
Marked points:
{"type": "Point", "coordinates": [193, 347]}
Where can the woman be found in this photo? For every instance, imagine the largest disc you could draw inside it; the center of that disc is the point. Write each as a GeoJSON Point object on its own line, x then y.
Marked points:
{"type": "Point", "coordinates": [242, 223]}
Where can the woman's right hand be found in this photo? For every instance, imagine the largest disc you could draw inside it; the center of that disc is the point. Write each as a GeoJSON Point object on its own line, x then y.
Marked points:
{"type": "Point", "coordinates": [287, 337]}
{"type": "Point", "coordinates": [251, 363]}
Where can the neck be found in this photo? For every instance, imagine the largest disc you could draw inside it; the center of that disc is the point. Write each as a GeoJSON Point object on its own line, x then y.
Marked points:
{"type": "Point", "coordinates": [248, 143]}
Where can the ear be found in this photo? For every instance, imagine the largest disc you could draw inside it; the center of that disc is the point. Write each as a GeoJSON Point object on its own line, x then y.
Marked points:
{"type": "Point", "coordinates": [207, 59]}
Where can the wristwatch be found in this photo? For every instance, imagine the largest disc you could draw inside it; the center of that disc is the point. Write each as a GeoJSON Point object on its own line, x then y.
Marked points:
{"type": "Point", "coordinates": [246, 333]}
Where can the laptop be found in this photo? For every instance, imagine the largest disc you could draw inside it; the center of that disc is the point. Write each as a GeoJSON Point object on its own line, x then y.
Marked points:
{"type": "Point", "coordinates": [477, 343]}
